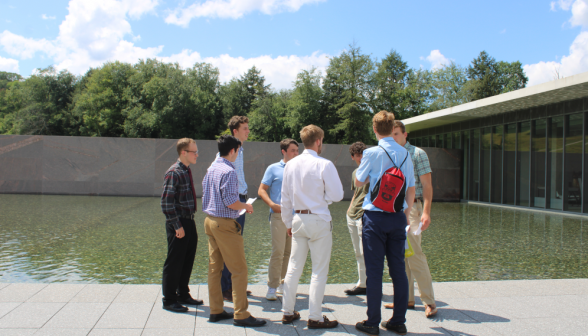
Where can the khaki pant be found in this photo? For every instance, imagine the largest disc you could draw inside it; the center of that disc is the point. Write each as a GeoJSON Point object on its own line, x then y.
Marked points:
{"type": "Point", "coordinates": [417, 266]}
{"type": "Point", "coordinates": [225, 246]}
{"type": "Point", "coordinates": [355, 230]}
{"type": "Point", "coordinates": [281, 248]}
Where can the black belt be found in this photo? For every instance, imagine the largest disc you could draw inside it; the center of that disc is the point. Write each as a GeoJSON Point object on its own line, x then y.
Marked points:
{"type": "Point", "coordinates": [243, 195]}
{"type": "Point", "coordinates": [190, 216]}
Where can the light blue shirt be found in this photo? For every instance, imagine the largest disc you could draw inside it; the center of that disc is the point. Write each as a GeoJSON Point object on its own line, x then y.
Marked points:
{"type": "Point", "coordinates": [273, 178]}
{"type": "Point", "coordinates": [375, 162]}
{"type": "Point", "coordinates": [240, 173]}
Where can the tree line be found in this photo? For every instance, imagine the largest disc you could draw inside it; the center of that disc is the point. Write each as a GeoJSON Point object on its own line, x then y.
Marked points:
{"type": "Point", "coordinates": [152, 99]}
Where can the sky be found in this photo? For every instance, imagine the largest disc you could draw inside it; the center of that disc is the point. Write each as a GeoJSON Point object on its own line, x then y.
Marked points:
{"type": "Point", "coordinates": [282, 37]}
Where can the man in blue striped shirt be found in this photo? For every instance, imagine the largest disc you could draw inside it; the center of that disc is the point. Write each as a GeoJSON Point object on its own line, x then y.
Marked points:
{"type": "Point", "coordinates": [220, 201]}
{"type": "Point", "coordinates": [239, 128]}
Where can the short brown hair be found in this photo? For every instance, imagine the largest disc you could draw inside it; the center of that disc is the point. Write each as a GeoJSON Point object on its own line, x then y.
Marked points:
{"type": "Point", "coordinates": [236, 122]}
{"type": "Point", "coordinates": [357, 148]}
{"type": "Point", "coordinates": [398, 123]}
{"type": "Point", "coordinates": [183, 144]}
{"type": "Point", "coordinates": [284, 144]}
{"type": "Point", "coordinates": [383, 122]}
{"type": "Point", "coordinates": [310, 134]}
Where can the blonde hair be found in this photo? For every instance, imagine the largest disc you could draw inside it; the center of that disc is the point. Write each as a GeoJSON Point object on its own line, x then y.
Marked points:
{"type": "Point", "coordinates": [383, 122]}
{"type": "Point", "coordinates": [310, 134]}
{"type": "Point", "coordinates": [183, 144]}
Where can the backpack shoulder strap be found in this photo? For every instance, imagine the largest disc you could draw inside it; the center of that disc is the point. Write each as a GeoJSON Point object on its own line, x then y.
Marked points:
{"type": "Point", "coordinates": [385, 151]}
{"type": "Point", "coordinates": [406, 157]}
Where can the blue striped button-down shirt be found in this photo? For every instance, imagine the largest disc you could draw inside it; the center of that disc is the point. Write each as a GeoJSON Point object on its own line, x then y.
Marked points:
{"type": "Point", "coordinates": [220, 189]}
{"type": "Point", "coordinates": [238, 164]}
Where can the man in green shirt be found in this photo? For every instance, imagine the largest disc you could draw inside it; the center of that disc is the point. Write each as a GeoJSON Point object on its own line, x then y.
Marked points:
{"type": "Point", "coordinates": [354, 214]}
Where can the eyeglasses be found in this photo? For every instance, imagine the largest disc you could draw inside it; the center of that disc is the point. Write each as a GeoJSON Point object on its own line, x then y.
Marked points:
{"type": "Point", "coordinates": [195, 152]}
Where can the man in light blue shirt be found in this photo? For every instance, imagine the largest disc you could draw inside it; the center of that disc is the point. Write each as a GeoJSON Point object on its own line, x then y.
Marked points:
{"type": "Point", "coordinates": [239, 127]}
{"type": "Point", "coordinates": [384, 233]}
{"type": "Point", "coordinates": [281, 242]}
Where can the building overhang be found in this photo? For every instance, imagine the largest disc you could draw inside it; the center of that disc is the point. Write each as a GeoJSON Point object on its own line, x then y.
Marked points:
{"type": "Point", "coordinates": [556, 91]}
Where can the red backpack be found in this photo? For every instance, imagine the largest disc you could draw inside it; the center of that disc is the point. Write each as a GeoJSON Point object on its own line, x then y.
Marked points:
{"type": "Point", "coordinates": [388, 193]}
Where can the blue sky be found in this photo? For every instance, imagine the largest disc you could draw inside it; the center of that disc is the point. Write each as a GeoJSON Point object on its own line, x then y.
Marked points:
{"type": "Point", "coordinates": [282, 37]}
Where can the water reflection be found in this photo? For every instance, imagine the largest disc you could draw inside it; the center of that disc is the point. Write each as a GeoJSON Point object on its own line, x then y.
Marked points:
{"type": "Point", "coordinates": [122, 240]}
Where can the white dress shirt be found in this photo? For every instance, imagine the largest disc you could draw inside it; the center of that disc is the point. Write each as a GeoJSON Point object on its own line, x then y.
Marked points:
{"type": "Point", "coordinates": [310, 183]}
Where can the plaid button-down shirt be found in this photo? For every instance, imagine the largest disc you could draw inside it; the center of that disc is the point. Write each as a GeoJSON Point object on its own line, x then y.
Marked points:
{"type": "Point", "coordinates": [420, 161]}
{"type": "Point", "coordinates": [177, 198]}
{"type": "Point", "coordinates": [220, 189]}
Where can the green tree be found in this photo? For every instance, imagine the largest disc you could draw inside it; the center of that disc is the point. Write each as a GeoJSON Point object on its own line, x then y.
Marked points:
{"type": "Point", "coordinates": [305, 105]}
{"type": "Point", "coordinates": [239, 95]}
{"type": "Point", "coordinates": [511, 76]}
{"type": "Point", "coordinates": [391, 84]}
{"type": "Point", "coordinates": [449, 87]}
{"type": "Point", "coordinates": [348, 89]}
{"type": "Point", "coordinates": [268, 120]}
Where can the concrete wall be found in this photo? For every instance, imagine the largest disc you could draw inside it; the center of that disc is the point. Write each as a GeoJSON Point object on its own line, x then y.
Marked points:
{"type": "Point", "coordinates": [135, 167]}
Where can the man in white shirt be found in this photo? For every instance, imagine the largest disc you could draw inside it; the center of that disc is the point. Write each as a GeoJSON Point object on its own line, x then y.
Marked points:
{"type": "Point", "coordinates": [309, 185]}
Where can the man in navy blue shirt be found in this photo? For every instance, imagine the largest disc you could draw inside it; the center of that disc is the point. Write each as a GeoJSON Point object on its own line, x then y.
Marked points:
{"type": "Point", "coordinates": [281, 242]}
{"type": "Point", "coordinates": [384, 233]}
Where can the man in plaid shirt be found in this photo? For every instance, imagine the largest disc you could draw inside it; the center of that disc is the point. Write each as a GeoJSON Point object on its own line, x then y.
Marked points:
{"type": "Point", "coordinates": [417, 266]}
{"type": "Point", "coordinates": [220, 201]}
{"type": "Point", "coordinates": [178, 203]}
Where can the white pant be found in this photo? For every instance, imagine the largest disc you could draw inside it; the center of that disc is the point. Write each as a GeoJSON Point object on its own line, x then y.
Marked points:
{"type": "Point", "coordinates": [308, 232]}
{"type": "Point", "coordinates": [355, 230]}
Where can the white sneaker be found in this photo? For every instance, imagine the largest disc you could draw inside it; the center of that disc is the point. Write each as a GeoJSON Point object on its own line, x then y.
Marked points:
{"type": "Point", "coordinates": [271, 294]}
{"type": "Point", "coordinates": [280, 289]}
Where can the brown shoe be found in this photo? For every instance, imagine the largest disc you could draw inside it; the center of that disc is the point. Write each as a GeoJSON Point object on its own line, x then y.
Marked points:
{"type": "Point", "coordinates": [228, 295]}
{"type": "Point", "coordinates": [430, 311]}
{"type": "Point", "coordinates": [287, 319]}
{"type": "Point", "coordinates": [391, 305]}
{"type": "Point", "coordinates": [312, 324]}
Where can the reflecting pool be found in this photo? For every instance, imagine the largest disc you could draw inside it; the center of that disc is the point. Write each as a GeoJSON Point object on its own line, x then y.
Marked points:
{"type": "Point", "coordinates": [94, 239]}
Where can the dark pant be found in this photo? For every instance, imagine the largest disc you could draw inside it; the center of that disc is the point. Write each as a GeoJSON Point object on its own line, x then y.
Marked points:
{"type": "Point", "coordinates": [180, 260]}
{"type": "Point", "coordinates": [384, 235]}
{"type": "Point", "coordinates": [226, 282]}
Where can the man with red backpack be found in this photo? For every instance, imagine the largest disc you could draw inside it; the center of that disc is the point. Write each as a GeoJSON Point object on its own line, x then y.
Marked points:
{"type": "Point", "coordinates": [389, 170]}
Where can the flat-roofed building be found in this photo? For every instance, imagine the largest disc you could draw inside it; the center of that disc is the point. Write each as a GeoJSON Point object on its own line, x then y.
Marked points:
{"type": "Point", "coordinates": [524, 148]}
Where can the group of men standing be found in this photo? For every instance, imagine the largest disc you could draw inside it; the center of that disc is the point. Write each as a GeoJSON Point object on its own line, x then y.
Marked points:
{"type": "Point", "coordinates": [298, 190]}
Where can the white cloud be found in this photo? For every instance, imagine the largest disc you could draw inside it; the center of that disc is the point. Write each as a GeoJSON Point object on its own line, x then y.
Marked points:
{"type": "Point", "coordinates": [436, 59]}
{"type": "Point", "coordinates": [45, 17]}
{"type": "Point", "coordinates": [23, 47]}
{"type": "Point", "coordinates": [232, 9]}
{"type": "Point", "coordinates": [280, 71]}
{"type": "Point", "coordinates": [8, 64]}
{"type": "Point", "coordinates": [577, 60]}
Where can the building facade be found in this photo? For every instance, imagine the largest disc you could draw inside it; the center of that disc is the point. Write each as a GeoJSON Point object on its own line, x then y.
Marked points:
{"type": "Point", "coordinates": [525, 148]}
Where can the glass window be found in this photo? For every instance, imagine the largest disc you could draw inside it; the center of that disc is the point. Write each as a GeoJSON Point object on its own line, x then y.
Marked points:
{"type": "Point", "coordinates": [466, 157]}
{"type": "Point", "coordinates": [573, 163]}
{"type": "Point", "coordinates": [555, 163]}
{"type": "Point", "coordinates": [456, 141]}
{"type": "Point", "coordinates": [439, 141]}
{"type": "Point", "coordinates": [417, 142]}
{"type": "Point", "coordinates": [447, 140]}
{"type": "Point", "coordinates": [523, 164]}
{"type": "Point", "coordinates": [475, 165]}
{"type": "Point", "coordinates": [485, 168]}
{"type": "Point", "coordinates": [538, 160]}
{"type": "Point", "coordinates": [497, 135]}
{"type": "Point", "coordinates": [425, 142]}
{"type": "Point", "coordinates": [510, 141]}
{"type": "Point", "coordinates": [432, 141]}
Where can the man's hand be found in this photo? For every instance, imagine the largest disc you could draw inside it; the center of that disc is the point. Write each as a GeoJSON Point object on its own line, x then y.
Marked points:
{"type": "Point", "coordinates": [276, 208]}
{"type": "Point", "coordinates": [180, 233]}
{"type": "Point", "coordinates": [290, 232]}
{"type": "Point", "coordinates": [249, 208]}
{"type": "Point", "coordinates": [426, 220]}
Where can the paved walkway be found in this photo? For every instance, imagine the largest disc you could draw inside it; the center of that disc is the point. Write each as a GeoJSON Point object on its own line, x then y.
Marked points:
{"type": "Point", "coordinates": [526, 307]}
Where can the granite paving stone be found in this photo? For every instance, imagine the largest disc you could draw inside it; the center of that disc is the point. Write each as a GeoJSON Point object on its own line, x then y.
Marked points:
{"type": "Point", "coordinates": [2, 285]}
{"type": "Point", "coordinates": [78, 315]}
{"type": "Point", "coordinates": [61, 332]}
{"type": "Point", "coordinates": [17, 332]}
{"type": "Point", "coordinates": [30, 315]}
{"type": "Point", "coordinates": [167, 332]}
{"type": "Point", "coordinates": [98, 293]}
{"type": "Point", "coordinates": [115, 332]}
{"type": "Point", "coordinates": [20, 292]}
{"type": "Point", "coordinates": [163, 319]}
{"type": "Point", "coordinates": [138, 294]}
{"type": "Point", "coordinates": [57, 293]}
{"type": "Point", "coordinates": [6, 307]}
{"type": "Point", "coordinates": [125, 315]}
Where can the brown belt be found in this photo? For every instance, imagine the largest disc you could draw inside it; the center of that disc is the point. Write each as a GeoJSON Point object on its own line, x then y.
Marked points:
{"type": "Point", "coordinates": [418, 199]}
{"type": "Point", "coordinates": [304, 212]}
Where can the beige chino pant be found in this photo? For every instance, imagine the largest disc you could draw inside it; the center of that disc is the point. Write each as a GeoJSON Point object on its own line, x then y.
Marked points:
{"type": "Point", "coordinates": [225, 246]}
{"type": "Point", "coordinates": [281, 248]}
{"type": "Point", "coordinates": [355, 230]}
{"type": "Point", "coordinates": [417, 266]}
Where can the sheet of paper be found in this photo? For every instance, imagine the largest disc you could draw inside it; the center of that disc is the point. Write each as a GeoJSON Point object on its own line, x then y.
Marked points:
{"type": "Point", "coordinates": [249, 201]}
{"type": "Point", "coordinates": [418, 231]}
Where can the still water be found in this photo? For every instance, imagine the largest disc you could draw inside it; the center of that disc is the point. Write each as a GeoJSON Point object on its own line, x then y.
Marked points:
{"type": "Point", "coordinates": [92, 239]}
